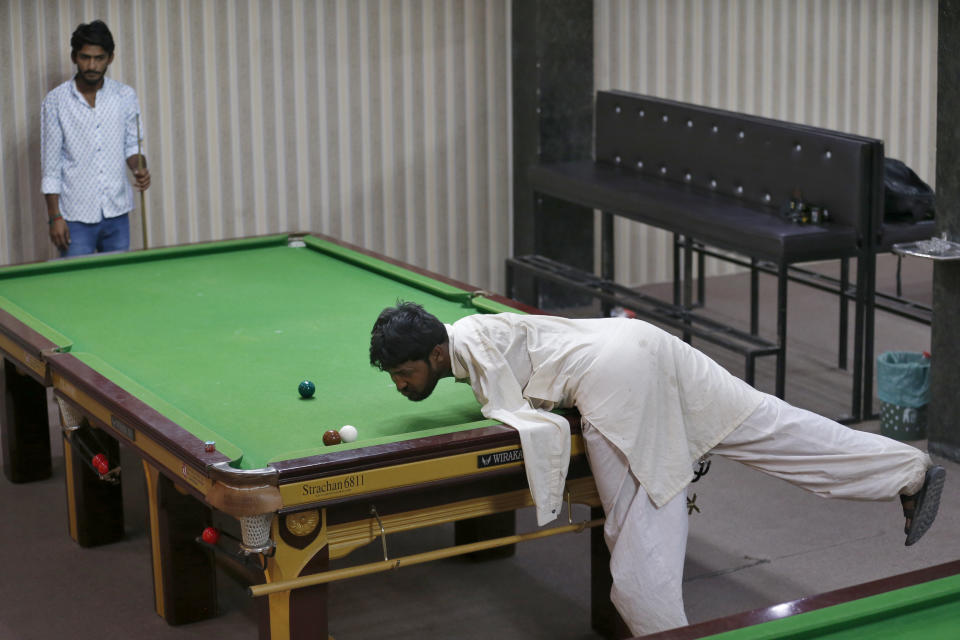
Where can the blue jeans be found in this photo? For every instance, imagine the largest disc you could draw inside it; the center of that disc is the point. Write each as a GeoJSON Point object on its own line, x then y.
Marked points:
{"type": "Point", "coordinates": [110, 234]}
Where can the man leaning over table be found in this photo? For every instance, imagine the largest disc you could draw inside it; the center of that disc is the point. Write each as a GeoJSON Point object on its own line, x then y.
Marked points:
{"type": "Point", "coordinates": [650, 406]}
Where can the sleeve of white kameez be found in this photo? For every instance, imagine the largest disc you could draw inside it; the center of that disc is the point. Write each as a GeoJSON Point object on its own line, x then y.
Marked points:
{"type": "Point", "coordinates": [51, 145]}
{"type": "Point", "coordinates": [544, 436]}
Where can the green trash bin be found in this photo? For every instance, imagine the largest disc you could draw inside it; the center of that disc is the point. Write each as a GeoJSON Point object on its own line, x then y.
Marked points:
{"type": "Point", "coordinates": [903, 388]}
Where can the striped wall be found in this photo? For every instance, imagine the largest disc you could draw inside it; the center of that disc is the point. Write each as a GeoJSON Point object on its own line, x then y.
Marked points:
{"type": "Point", "coordinates": [386, 122]}
{"type": "Point", "coordinates": [862, 66]}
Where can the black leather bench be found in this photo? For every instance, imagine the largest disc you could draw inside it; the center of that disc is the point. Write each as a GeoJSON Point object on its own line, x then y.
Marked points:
{"type": "Point", "coordinates": [723, 180]}
{"type": "Point", "coordinates": [885, 233]}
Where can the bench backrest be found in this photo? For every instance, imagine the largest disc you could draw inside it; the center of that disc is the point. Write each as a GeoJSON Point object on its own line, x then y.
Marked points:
{"type": "Point", "coordinates": [762, 161]}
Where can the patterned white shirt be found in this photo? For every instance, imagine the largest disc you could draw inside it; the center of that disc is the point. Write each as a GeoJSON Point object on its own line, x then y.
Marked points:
{"type": "Point", "coordinates": [83, 150]}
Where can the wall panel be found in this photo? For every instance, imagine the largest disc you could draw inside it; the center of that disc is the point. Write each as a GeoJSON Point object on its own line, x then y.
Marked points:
{"type": "Point", "coordinates": [386, 122]}
{"type": "Point", "coordinates": [381, 122]}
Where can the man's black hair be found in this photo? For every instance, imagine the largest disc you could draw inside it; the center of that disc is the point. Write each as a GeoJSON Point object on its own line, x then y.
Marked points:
{"type": "Point", "coordinates": [403, 333]}
{"type": "Point", "coordinates": [95, 33]}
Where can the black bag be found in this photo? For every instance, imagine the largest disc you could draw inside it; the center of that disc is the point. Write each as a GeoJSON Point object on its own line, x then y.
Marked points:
{"type": "Point", "coordinates": [905, 196]}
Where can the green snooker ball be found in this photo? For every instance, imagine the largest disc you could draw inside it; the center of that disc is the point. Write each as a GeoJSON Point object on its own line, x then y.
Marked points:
{"type": "Point", "coordinates": [306, 389]}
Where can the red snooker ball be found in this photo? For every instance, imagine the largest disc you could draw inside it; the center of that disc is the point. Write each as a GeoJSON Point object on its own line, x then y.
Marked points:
{"type": "Point", "coordinates": [210, 535]}
{"type": "Point", "coordinates": [100, 463]}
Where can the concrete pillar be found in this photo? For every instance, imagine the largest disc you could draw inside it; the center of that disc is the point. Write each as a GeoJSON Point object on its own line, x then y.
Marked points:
{"type": "Point", "coordinates": [552, 122]}
{"type": "Point", "coordinates": [943, 429]}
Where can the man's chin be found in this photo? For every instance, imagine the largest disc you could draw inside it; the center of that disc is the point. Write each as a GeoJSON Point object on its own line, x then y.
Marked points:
{"type": "Point", "coordinates": [414, 396]}
{"type": "Point", "coordinates": [417, 396]}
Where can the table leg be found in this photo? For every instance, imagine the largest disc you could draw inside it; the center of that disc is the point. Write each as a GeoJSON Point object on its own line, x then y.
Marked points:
{"type": "Point", "coordinates": [25, 428]}
{"type": "Point", "coordinates": [604, 618]}
{"type": "Point", "coordinates": [497, 525]}
{"type": "Point", "coordinates": [94, 505]}
{"type": "Point", "coordinates": [184, 572]}
{"type": "Point", "coordinates": [302, 549]}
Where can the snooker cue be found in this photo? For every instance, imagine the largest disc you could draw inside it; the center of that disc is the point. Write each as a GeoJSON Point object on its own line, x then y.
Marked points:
{"type": "Point", "coordinates": [417, 558]}
{"type": "Point", "coordinates": [143, 200]}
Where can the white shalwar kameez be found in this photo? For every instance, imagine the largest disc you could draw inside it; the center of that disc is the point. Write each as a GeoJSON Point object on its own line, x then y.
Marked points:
{"type": "Point", "coordinates": [651, 405]}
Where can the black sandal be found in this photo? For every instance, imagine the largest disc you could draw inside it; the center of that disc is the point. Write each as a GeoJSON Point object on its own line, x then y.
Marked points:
{"type": "Point", "coordinates": [921, 508]}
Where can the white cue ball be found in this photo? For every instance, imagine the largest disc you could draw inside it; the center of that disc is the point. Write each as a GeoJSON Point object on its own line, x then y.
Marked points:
{"type": "Point", "coordinates": [348, 433]}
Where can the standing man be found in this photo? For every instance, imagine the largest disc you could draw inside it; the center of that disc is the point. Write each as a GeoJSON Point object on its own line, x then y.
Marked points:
{"type": "Point", "coordinates": [88, 140]}
{"type": "Point", "coordinates": [650, 406]}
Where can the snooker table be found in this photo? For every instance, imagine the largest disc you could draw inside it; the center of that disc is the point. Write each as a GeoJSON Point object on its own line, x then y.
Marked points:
{"type": "Point", "coordinates": [919, 604]}
{"type": "Point", "coordinates": [191, 357]}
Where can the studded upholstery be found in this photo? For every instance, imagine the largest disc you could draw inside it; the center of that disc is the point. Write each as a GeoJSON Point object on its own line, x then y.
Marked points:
{"type": "Point", "coordinates": [724, 178]}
